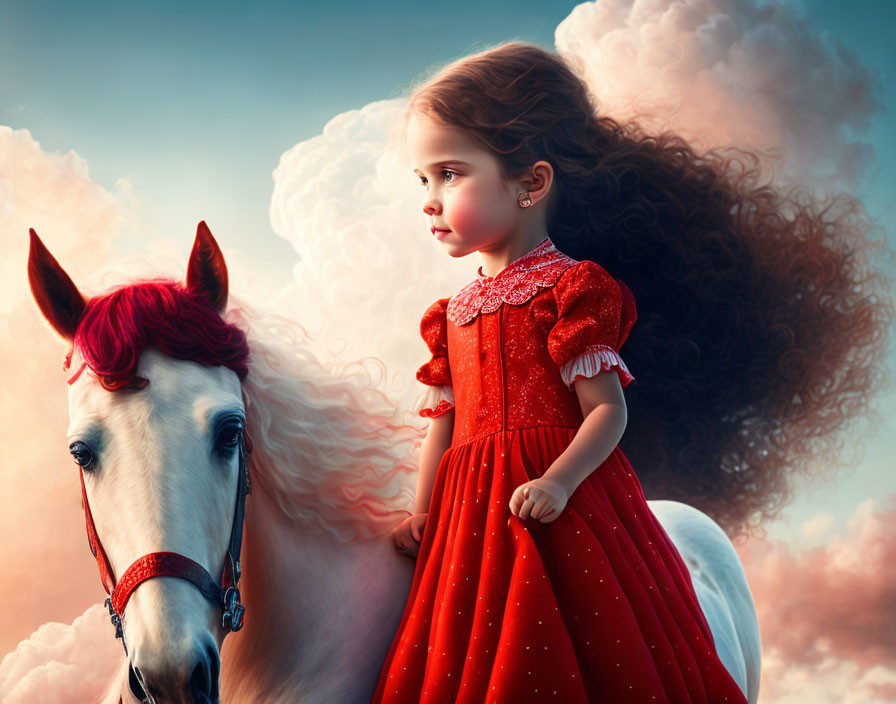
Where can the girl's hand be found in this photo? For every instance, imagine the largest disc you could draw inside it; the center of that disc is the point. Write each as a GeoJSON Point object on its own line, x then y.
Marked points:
{"type": "Point", "coordinates": [408, 533]}
{"type": "Point", "coordinates": [542, 499]}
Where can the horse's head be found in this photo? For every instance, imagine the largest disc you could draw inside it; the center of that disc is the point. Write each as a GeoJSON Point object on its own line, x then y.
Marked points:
{"type": "Point", "coordinates": [157, 426]}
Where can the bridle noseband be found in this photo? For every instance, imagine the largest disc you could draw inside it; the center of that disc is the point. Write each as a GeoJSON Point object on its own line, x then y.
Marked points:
{"type": "Point", "coordinates": [173, 564]}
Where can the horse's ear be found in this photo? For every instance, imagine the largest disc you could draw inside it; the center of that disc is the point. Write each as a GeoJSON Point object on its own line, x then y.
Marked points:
{"type": "Point", "coordinates": [206, 270]}
{"type": "Point", "coordinates": [57, 296]}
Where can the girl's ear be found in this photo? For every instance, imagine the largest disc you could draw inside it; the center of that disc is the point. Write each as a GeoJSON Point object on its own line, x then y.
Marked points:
{"type": "Point", "coordinates": [57, 296]}
{"type": "Point", "coordinates": [206, 270]}
{"type": "Point", "coordinates": [538, 181]}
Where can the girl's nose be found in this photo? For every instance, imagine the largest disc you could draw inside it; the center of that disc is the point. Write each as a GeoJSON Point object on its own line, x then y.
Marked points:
{"type": "Point", "coordinates": [432, 207]}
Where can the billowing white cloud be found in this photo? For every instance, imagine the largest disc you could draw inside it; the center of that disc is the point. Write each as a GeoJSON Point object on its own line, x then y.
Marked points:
{"type": "Point", "coordinates": [351, 206]}
{"type": "Point", "coordinates": [62, 663]}
{"type": "Point", "coordinates": [730, 72]}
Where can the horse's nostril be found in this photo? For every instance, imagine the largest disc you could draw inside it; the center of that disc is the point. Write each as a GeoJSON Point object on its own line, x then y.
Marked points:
{"type": "Point", "coordinates": [167, 681]}
{"type": "Point", "coordinates": [215, 660]}
{"type": "Point", "coordinates": [204, 680]}
{"type": "Point", "coordinates": [200, 682]}
{"type": "Point", "coordinates": [134, 682]}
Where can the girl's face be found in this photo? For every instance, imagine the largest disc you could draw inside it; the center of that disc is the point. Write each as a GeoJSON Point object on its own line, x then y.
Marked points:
{"type": "Point", "coordinates": [464, 191]}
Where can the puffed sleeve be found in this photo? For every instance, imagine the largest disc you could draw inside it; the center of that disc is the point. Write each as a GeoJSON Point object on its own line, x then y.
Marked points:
{"type": "Point", "coordinates": [438, 398]}
{"type": "Point", "coordinates": [595, 314]}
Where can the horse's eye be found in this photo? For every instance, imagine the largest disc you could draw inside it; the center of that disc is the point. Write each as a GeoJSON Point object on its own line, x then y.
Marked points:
{"type": "Point", "coordinates": [83, 455]}
{"type": "Point", "coordinates": [229, 435]}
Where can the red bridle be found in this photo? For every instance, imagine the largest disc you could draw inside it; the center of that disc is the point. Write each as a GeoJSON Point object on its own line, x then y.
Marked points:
{"type": "Point", "coordinates": [172, 564]}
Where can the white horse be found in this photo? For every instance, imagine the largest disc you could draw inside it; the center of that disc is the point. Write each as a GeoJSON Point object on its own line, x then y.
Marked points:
{"type": "Point", "coordinates": [322, 585]}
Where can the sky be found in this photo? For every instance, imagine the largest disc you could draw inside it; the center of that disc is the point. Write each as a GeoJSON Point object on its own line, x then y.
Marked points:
{"type": "Point", "coordinates": [193, 103]}
{"type": "Point", "coordinates": [146, 118]}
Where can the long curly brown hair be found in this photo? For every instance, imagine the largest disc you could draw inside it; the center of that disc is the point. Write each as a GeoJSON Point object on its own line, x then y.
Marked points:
{"type": "Point", "coordinates": [762, 325]}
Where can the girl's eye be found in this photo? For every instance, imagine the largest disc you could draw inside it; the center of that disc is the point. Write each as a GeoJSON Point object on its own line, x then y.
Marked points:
{"type": "Point", "coordinates": [446, 173]}
{"type": "Point", "coordinates": [83, 455]}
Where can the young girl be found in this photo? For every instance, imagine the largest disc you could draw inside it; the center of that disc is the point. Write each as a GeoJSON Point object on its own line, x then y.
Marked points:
{"type": "Point", "coordinates": [541, 573]}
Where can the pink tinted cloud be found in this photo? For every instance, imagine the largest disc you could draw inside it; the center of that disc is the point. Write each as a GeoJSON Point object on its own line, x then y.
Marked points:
{"type": "Point", "coordinates": [48, 572]}
{"type": "Point", "coordinates": [53, 193]}
{"type": "Point", "coordinates": [731, 72]}
{"type": "Point", "coordinates": [828, 612]}
{"type": "Point", "coordinates": [63, 663]}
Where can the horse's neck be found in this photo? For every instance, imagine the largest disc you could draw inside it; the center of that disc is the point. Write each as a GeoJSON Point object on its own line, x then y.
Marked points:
{"type": "Point", "coordinates": [319, 615]}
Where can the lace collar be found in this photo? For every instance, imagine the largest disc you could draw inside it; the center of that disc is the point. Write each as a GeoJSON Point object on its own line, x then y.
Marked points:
{"type": "Point", "coordinates": [516, 283]}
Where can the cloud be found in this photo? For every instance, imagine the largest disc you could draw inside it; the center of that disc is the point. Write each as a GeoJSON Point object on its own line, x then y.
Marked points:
{"type": "Point", "coordinates": [48, 571]}
{"type": "Point", "coordinates": [53, 193]}
{"type": "Point", "coordinates": [63, 663]}
{"type": "Point", "coordinates": [826, 612]}
{"type": "Point", "coordinates": [818, 527]}
{"type": "Point", "coordinates": [732, 72]}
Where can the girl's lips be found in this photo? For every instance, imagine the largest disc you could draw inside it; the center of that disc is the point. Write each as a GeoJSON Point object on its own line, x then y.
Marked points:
{"type": "Point", "coordinates": [439, 233]}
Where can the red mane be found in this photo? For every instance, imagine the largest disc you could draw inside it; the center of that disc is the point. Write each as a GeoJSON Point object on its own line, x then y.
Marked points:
{"type": "Point", "coordinates": [117, 325]}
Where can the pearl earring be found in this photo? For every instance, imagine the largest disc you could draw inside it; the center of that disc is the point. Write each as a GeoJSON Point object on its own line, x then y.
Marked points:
{"type": "Point", "coordinates": [525, 200]}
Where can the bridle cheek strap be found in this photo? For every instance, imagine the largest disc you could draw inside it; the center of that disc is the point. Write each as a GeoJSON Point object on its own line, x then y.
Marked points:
{"type": "Point", "coordinates": [101, 560]}
{"type": "Point", "coordinates": [172, 564]}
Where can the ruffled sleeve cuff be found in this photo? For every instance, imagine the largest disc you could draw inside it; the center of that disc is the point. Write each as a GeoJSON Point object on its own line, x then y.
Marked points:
{"type": "Point", "coordinates": [595, 359]}
{"type": "Point", "coordinates": [435, 401]}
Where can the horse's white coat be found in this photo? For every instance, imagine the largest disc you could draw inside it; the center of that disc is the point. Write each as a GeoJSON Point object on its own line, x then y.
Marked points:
{"type": "Point", "coordinates": [158, 486]}
{"type": "Point", "coordinates": [721, 587]}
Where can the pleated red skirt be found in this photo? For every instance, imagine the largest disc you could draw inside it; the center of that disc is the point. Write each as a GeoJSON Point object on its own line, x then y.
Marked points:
{"type": "Point", "coordinates": [595, 606]}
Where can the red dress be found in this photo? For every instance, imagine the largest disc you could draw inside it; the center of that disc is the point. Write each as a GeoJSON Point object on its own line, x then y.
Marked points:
{"type": "Point", "coordinates": [595, 606]}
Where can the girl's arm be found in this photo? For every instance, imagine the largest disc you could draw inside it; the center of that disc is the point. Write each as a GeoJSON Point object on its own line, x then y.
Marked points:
{"type": "Point", "coordinates": [437, 441]}
{"type": "Point", "coordinates": [605, 413]}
